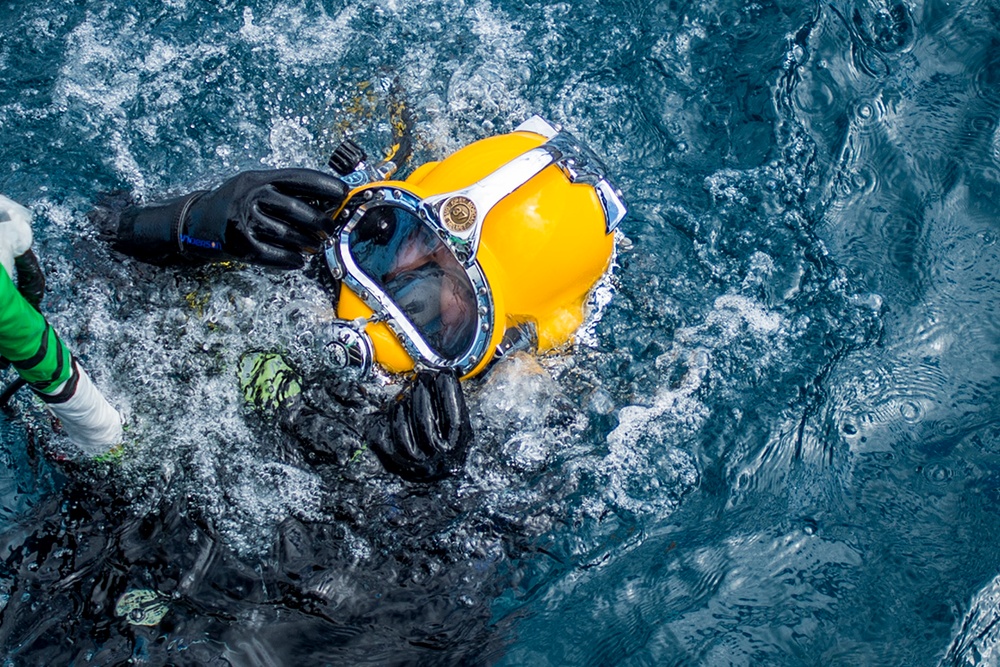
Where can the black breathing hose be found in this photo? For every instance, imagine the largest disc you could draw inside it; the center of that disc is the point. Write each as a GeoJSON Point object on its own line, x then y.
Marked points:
{"type": "Point", "coordinates": [9, 392]}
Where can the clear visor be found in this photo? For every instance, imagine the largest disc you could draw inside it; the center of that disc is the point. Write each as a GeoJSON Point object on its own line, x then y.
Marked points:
{"type": "Point", "coordinates": [420, 274]}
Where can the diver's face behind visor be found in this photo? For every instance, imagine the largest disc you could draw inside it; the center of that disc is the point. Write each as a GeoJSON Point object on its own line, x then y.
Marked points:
{"type": "Point", "coordinates": [494, 248]}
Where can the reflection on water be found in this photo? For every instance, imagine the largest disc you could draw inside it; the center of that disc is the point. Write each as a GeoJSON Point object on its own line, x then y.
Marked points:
{"type": "Point", "coordinates": [779, 444]}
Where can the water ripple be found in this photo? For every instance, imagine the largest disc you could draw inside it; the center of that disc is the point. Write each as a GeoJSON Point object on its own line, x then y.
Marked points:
{"type": "Point", "coordinates": [778, 445]}
{"type": "Point", "coordinates": [879, 31]}
{"type": "Point", "coordinates": [986, 79]}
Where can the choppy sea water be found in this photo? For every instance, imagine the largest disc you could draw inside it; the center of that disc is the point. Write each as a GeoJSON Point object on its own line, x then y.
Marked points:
{"type": "Point", "coordinates": [779, 444]}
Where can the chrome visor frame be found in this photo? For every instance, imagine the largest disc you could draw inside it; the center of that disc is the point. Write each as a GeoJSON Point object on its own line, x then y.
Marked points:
{"type": "Point", "coordinates": [576, 161]}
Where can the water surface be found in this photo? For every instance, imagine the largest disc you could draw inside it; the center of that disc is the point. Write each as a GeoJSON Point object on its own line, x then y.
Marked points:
{"type": "Point", "coordinates": [779, 444]}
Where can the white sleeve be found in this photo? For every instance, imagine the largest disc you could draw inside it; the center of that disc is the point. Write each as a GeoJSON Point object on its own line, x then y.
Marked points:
{"type": "Point", "coordinates": [88, 418]}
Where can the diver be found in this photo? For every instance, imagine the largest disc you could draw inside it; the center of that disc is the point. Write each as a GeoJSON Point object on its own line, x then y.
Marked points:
{"type": "Point", "coordinates": [492, 250]}
{"type": "Point", "coordinates": [34, 349]}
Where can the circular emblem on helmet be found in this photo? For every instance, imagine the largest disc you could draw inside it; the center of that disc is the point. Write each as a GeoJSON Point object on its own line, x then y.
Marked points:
{"type": "Point", "coordinates": [459, 214]}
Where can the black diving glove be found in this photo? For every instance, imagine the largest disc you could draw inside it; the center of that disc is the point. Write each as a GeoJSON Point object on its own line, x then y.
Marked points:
{"type": "Point", "coordinates": [270, 218]}
{"type": "Point", "coordinates": [429, 429]}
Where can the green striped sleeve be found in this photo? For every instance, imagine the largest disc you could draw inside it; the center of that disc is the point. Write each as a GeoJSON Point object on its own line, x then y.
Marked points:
{"type": "Point", "coordinates": [28, 341]}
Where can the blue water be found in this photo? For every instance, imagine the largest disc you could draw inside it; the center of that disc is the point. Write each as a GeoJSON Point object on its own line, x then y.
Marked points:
{"type": "Point", "coordinates": [777, 444]}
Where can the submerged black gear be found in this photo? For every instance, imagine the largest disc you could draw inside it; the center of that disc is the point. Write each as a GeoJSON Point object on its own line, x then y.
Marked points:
{"type": "Point", "coordinates": [422, 436]}
{"type": "Point", "coordinates": [270, 218]}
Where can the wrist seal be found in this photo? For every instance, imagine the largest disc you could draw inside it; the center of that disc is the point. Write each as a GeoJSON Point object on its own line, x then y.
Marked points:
{"type": "Point", "coordinates": [179, 225]}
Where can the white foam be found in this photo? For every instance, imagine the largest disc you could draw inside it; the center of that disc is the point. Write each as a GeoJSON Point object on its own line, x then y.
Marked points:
{"type": "Point", "coordinates": [96, 78]}
{"type": "Point", "coordinates": [485, 84]}
{"type": "Point", "coordinates": [599, 299]}
{"type": "Point", "coordinates": [292, 143]}
{"type": "Point", "coordinates": [298, 36]}
{"type": "Point", "coordinates": [647, 443]}
{"type": "Point", "coordinates": [646, 470]}
{"type": "Point", "coordinates": [747, 312]}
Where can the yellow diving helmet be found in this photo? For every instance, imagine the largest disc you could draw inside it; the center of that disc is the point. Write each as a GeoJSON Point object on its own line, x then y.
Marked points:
{"type": "Point", "coordinates": [495, 247]}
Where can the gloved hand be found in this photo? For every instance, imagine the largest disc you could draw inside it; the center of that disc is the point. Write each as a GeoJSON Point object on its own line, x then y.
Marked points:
{"type": "Point", "coordinates": [15, 251]}
{"type": "Point", "coordinates": [15, 232]}
{"type": "Point", "coordinates": [429, 429]}
{"type": "Point", "coordinates": [260, 217]}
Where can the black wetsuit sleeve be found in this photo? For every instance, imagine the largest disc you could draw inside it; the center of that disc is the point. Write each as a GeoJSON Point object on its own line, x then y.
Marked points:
{"type": "Point", "coordinates": [273, 218]}
{"type": "Point", "coordinates": [148, 233]}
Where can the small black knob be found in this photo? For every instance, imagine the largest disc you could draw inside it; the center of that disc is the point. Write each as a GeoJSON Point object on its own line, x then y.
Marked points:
{"type": "Point", "coordinates": [346, 157]}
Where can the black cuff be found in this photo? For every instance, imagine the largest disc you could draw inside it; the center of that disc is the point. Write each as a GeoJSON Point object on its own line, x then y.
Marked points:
{"type": "Point", "coordinates": [67, 392]}
{"type": "Point", "coordinates": [148, 233]}
{"type": "Point", "coordinates": [180, 226]}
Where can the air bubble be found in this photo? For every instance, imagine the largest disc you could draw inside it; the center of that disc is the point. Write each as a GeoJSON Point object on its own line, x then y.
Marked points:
{"type": "Point", "coordinates": [911, 411]}
{"type": "Point", "coordinates": [937, 473]}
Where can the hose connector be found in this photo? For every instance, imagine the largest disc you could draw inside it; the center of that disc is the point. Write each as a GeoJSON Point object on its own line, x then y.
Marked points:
{"type": "Point", "coordinates": [350, 348]}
